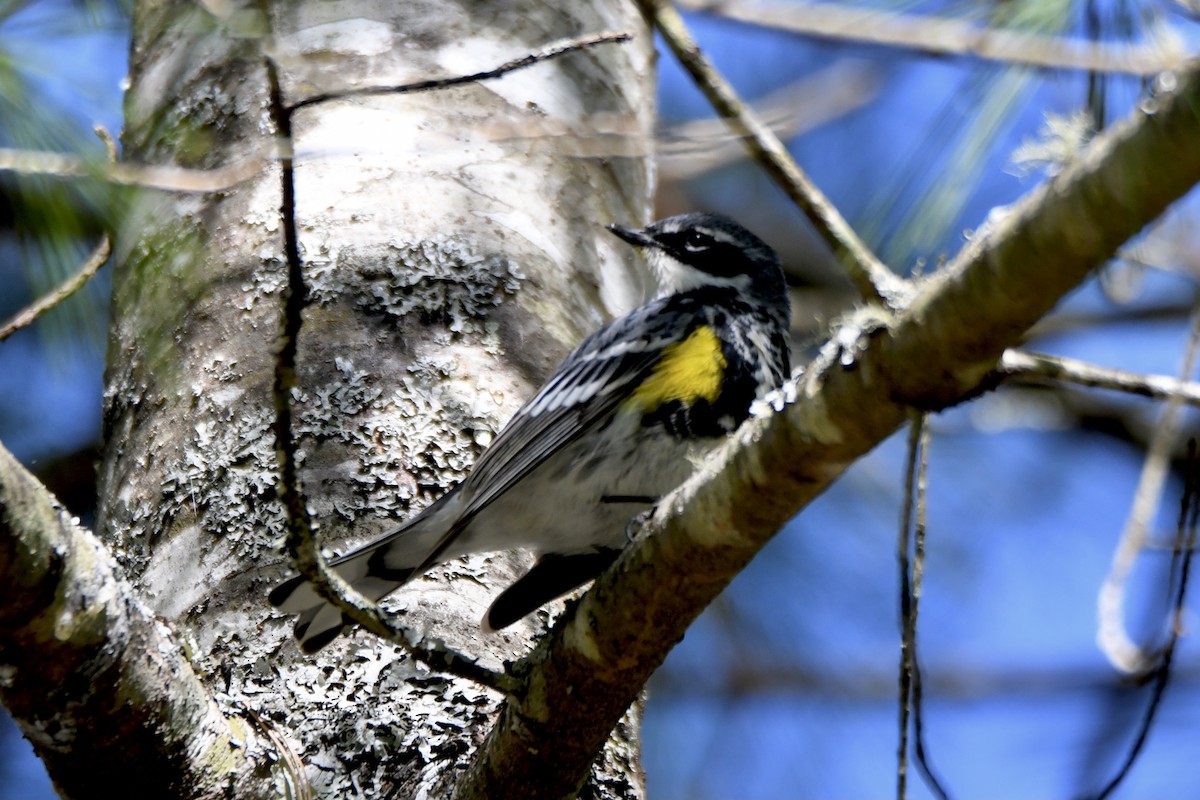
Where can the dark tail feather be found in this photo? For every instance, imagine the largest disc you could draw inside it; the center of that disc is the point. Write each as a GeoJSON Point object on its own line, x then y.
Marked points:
{"type": "Point", "coordinates": [551, 576]}
{"type": "Point", "coordinates": [311, 644]}
{"type": "Point", "coordinates": [280, 594]}
{"type": "Point", "coordinates": [375, 570]}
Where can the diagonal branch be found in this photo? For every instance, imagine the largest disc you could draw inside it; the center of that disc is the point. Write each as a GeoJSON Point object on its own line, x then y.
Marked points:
{"type": "Point", "coordinates": [28, 315]}
{"type": "Point", "coordinates": [872, 278]}
{"type": "Point", "coordinates": [940, 350]}
{"type": "Point", "coordinates": [301, 539]}
{"type": "Point", "coordinates": [75, 638]}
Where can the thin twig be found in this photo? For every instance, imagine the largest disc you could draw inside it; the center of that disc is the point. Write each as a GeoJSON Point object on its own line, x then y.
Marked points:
{"type": "Point", "coordinates": [1177, 582]}
{"type": "Point", "coordinates": [85, 273]}
{"type": "Point", "coordinates": [301, 541]}
{"type": "Point", "coordinates": [174, 179]}
{"type": "Point", "coordinates": [906, 522]}
{"type": "Point", "coordinates": [872, 278]}
{"type": "Point", "coordinates": [30, 313]}
{"type": "Point", "coordinates": [297, 784]}
{"type": "Point", "coordinates": [918, 713]}
{"type": "Point", "coordinates": [190, 180]}
{"type": "Point", "coordinates": [1111, 634]}
{"type": "Point", "coordinates": [184, 180]}
{"type": "Point", "coordinates": [911, 577]}
{"type": "Point", "coordinates": [110, 144]}
{"type": "Point", "coordinates": [1019, 363]}
{"type": "Point", "coordinates": [945, 36]}
{"type": "Point", "coordinates": [554, 50]}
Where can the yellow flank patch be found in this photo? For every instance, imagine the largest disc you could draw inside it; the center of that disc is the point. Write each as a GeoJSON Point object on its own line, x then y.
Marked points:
{"type": "Point", "coordinates": [690, 370]}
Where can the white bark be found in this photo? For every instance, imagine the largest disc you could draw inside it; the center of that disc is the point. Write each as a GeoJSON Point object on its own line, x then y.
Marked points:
{"type": "Point", "coordinates": [451, 263]}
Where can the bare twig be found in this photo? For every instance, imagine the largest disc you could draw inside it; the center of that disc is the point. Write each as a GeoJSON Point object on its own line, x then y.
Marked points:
{"type": "Point", "coordinates": [944, 36]}
{"type": "Point", "coordinates": [1177, 582]}
{"type": "Point", "coordinates": [174, 179]}
{"type": "Point", "coordinates": [301, 541]}
{"type": "Point", "coordinates": [906, 601]}
{"type": "Point", "coordinates": [1111, 635]}
{"type": "Point", "coordinates": [297, 783]}
{"type": "Point", "coordinates": [30, 313]}
{"type": "Point", "coordinates": [872, 278]}
{"type": "Point", "coordinates": [918, 683]}
{"type": "Point", "coordinates": [912, 536]}
{"type": "Point", "coordinates": [1019, 363]}
{"type": "Point", "coordinates": [110, 144]}
{"type": "Point", "coordinates": [86, 271]}
{"type": "Point", "coordinates": [191, 180]}
{"type": "Point", "coordinates": [554, 50]}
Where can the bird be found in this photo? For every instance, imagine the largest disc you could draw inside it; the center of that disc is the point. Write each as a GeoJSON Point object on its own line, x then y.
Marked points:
{"type": "Point", "coordinates": [622, 421]}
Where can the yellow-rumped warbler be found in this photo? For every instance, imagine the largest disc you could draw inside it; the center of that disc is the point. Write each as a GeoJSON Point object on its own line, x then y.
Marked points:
{"type": "Point", "coordinates": [621, 422]}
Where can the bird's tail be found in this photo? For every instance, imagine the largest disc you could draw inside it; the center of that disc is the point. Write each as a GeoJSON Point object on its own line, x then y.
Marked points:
{"type": "Point", "coordinates": [377, 569]}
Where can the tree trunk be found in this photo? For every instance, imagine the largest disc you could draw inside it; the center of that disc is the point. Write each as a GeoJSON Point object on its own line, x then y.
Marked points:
{"type": "Point", "coordinates": [453, 250]}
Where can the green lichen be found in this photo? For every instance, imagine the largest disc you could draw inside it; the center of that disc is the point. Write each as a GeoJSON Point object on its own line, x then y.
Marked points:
{"type": "Point", "coordinates": [445, 280]}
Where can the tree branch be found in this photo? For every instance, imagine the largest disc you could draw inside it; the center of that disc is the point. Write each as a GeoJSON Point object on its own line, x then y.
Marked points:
{"type": "Point", "coordinates": [1177, 584]}
{"type": "Point", "coordinates": [301, 539]}
{"type": "Point", "coordinates": [1112, 634]}
{"type": "Point", "coordinates": [939, 350]}
{"type": "Point", "coordinates": [28, 315]}
{"type": "Point", "coordinates": [547, 53]}
{"type": "Point", "coordinates": [95, 682]}
{"type": "Point", "coordinates": [912, 574]}
{"type": "Point", "coordinates": [1021, 364]}
{"type": "Point", "coordinates": [174, 179]}
{"type": "Point", "coordinates": [945, 36]}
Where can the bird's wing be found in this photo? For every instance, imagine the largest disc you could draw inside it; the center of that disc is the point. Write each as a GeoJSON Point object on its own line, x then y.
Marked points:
{"type": "Point", "coordinates": [586, 388]}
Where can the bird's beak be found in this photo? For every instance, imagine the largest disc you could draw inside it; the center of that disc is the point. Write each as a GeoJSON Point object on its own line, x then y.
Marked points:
{"type": "Point", "coordinates": [635, 237]}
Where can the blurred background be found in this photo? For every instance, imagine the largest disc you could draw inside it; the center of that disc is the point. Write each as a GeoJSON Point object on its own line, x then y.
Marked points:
{"type": "Point", "coordinates": [918, 128]}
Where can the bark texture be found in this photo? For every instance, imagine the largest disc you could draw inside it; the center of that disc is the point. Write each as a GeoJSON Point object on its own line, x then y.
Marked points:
{"type": "Point", "coordinates": [453, 251]}
{"type": "Point", "coordinates": [94, 680]}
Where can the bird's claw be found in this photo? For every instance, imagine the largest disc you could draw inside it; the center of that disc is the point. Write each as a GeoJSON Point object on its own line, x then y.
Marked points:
{"type": "Point", "coordinates": [639, 520]}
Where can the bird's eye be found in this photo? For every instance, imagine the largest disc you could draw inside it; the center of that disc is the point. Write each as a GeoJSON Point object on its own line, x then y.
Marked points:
{"type": "Point", "coordinates": [695, 241]}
